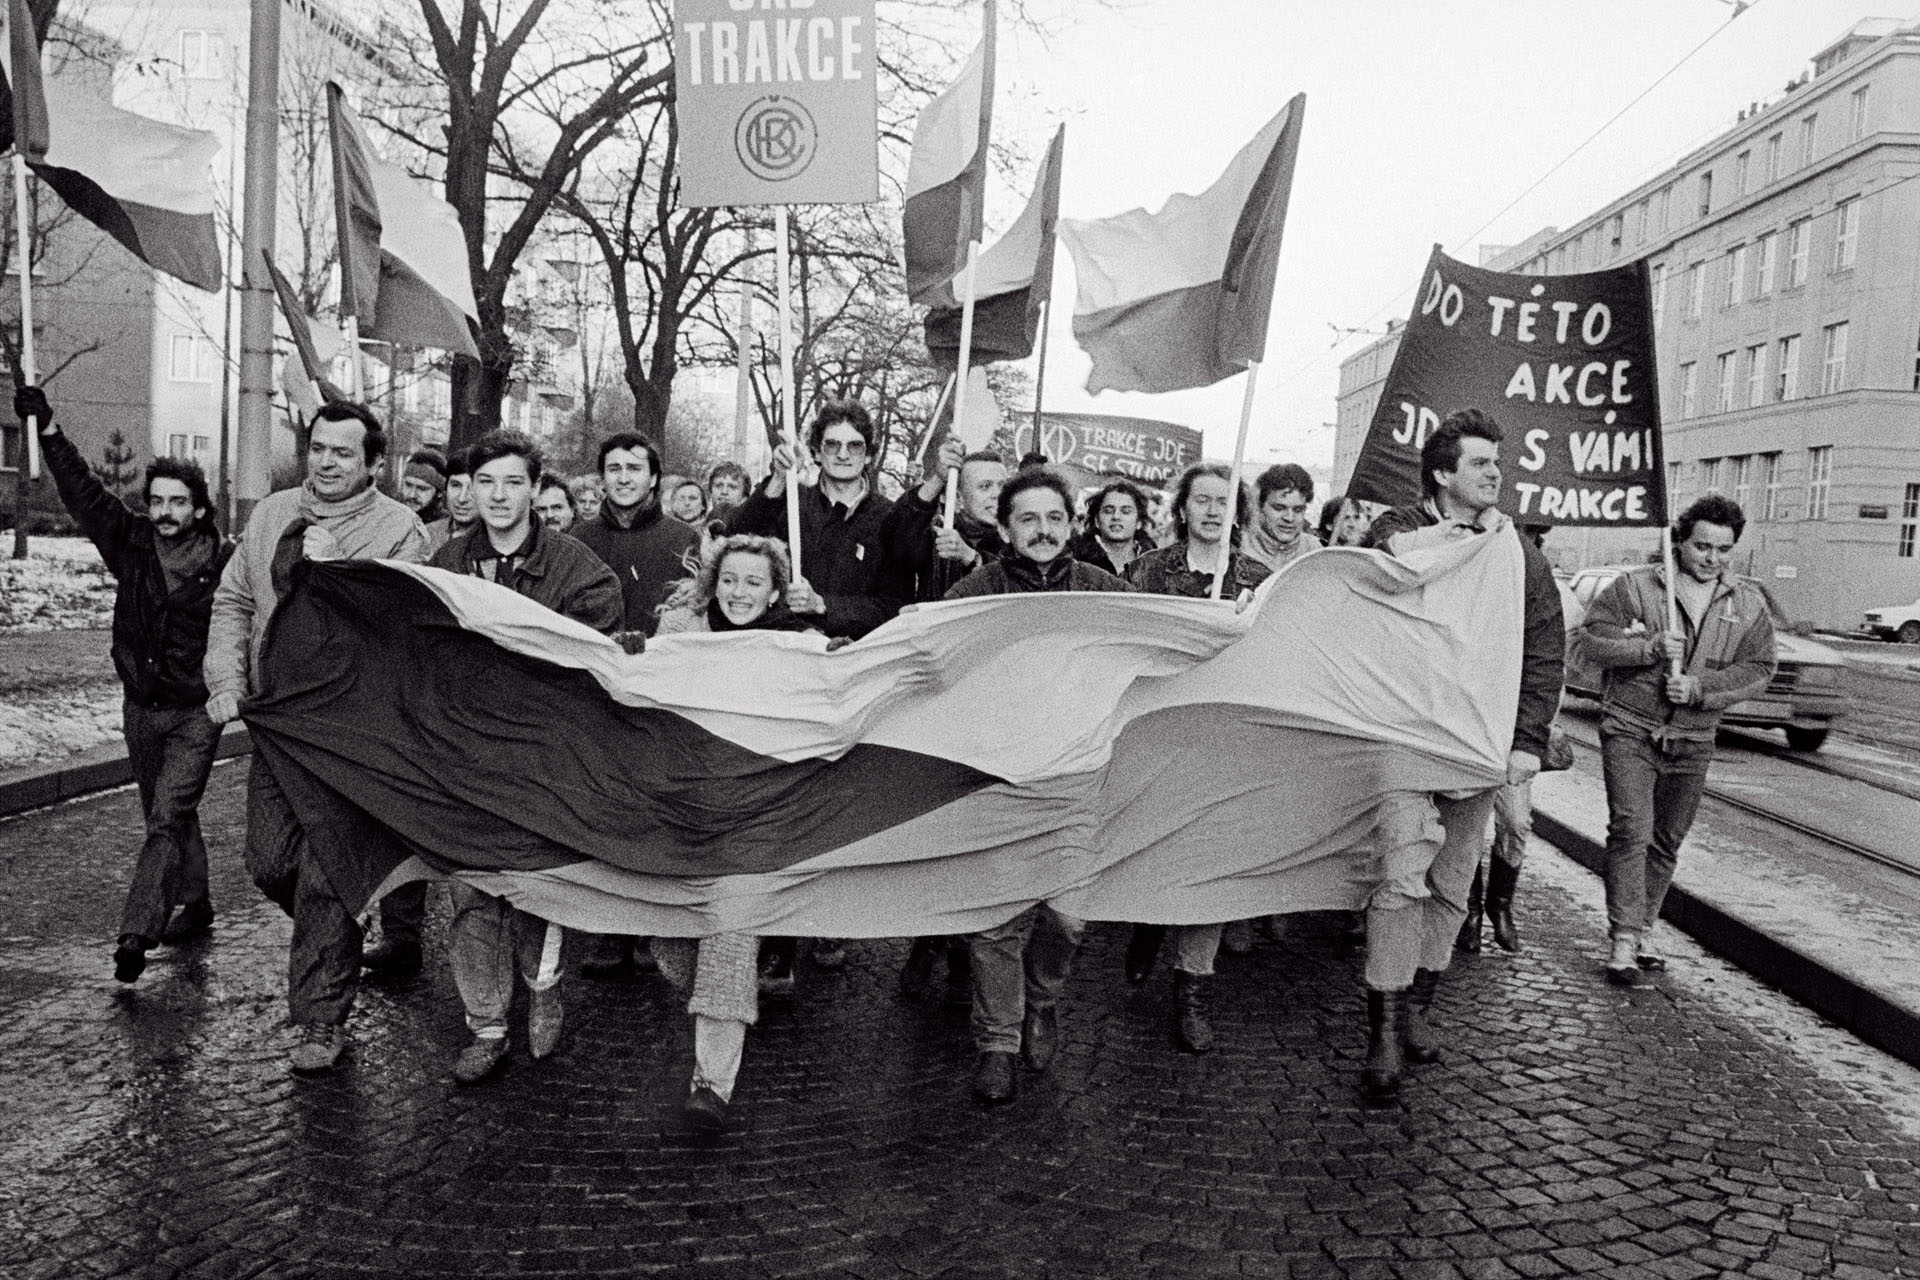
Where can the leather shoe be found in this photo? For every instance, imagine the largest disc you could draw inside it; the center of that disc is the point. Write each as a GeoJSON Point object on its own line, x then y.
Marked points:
{"type": "Point", "coordinates": [1040, 1037]}
{"type": "Point", "coordinates": [480, 1059]}
{"type": "Point", "coordinates": [390, 959]}
{"type": "Point", "coordinates": [704, 1110]}
{"type": "Point", "coordinates": [1142, 949]}
{"type": "Point", "coordinates": [1623, 965]}
{"type": "Point", "coordinates": [189, 922]}
{"type": "Point", "coordinates": [319, 1048]}
{"type": "Point", "coordinates": [993, 1080]}
{"type": "Point", "coordinates": [829, 954]}
{"type": "Point", "coordinates": [129, 957]}
{"type": "Point", "coordinates": [544, 1020]}
{"type": "Point", "coordinates": [1191, 1029]}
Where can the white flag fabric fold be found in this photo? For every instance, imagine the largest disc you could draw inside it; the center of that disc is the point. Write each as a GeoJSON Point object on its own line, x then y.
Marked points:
{"type": "Point", "coordinates": [1012, 280]}
{"type": "Point", "coordinates": [1180, 298]}
{"type": "Point", "coordinates": [946, 178]}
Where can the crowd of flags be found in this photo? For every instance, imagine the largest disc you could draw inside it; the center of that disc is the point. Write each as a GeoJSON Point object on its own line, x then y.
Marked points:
{"type": "Point", "coordinates": [1166, 301]}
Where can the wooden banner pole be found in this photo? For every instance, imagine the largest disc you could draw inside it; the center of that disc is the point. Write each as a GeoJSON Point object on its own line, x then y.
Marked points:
{"type": "Point", "coordinates": [1233, 486]}
{"type": "Point", "coordinates": [788, 411]}
{"type": "Point", "coordinates": [960, 375]}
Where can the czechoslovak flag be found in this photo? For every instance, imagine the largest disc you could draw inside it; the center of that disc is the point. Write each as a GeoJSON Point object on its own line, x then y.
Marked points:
{"type": "Point", "coordinates": [403, 256]}
{"type": "Point", "coordinates": [946, 179]}
{"type": "Point", "coordinates": [1012, 281]}
{"type": "Point", "coordinates": [147, 184]}
{"type": "Point", "coordinates": [1180, 298]}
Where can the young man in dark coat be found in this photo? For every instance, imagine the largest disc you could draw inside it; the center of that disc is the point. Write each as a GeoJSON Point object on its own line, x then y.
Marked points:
{"type": "Point", "coordinates": [491, 939]}
{"type": "Point", "coordinates": [1021, 967]}
{"type": "Point", "coordinates": [167, 564]}
{"type": "Point", "coordinates": [925, 557]}
{"type": "Point", "coordinates": [1410, 935]}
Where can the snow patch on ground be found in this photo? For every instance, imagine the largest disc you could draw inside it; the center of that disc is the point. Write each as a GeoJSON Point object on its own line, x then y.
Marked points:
{"type": "Point", "coordinates": [43, 728]}
{"type": "Point", "coordinates": [61, 586]}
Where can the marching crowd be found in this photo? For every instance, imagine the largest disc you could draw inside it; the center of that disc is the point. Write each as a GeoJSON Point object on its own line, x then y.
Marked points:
{"type": "Point", "coordinates": [634, 552]}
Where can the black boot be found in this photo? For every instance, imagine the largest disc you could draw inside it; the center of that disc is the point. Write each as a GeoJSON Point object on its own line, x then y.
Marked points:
{"type": "Point", "coordinates": [1191, 1030]}
{"type": "Point", "coordinates": [1380, 1078]}
{"type": "Point", "coordinates": [959, 973]}
{"type": "Point", "coordinates": [1416, 1037]}
{"type": "Point", "coordinates": [1469, 939]}
{"type": "Point", "coordinates": [1501, 882]}
{"type": "Point", "coordinates": [1142, 948]}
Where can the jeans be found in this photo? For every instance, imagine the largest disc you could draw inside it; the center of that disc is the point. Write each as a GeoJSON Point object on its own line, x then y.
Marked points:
{"type": "Point", "coordinates": [1019, 965]}
{"type": "Point", "coordinates": [1652, 792]}
{"type": "Point", "coordinates": [171, 751]}
{"type": "Point", "coordinates": [323, 962]}
{"type": "Point", "coordinates": [489, 939]}
{"type": "Point", "coordinates": [1430, 845]}
{"type": "Point", "coordinates": [1512, 822]}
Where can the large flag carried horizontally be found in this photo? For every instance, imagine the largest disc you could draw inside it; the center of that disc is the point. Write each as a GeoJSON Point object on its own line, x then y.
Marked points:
{"type": "Point", "coordinates": [147, 184]}
{"type": "Point", "coordinates": [947, 176]}
{"type": "Point", "coordinates": [1565, 364]}
{"type": "Point", "coordinates": [1127, 757]}
{"type": "Point", "coordinates": [1180, 298]}
{"type": "Point", "coordinates": [403, 256]}
{"type": "Point", "coordinates": [1012, 280]}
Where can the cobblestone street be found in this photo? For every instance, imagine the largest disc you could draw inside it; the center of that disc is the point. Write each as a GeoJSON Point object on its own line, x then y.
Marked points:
{"type": "Point", "coordinates": [1571, 1130]}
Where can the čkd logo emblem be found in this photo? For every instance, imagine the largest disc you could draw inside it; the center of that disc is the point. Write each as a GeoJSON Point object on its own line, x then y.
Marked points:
{"type": "Point", "coordinates": [775, 138]}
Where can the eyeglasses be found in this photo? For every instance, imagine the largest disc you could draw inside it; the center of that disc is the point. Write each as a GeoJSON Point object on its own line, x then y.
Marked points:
{"type": "Point", "coordinates": [852, 448]}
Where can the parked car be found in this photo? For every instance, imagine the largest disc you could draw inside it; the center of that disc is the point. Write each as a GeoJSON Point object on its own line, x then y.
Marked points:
{"type": "Point", "coordinates": [1805, 696]}
{"type": "Point", "coordinates": [1894, 622]}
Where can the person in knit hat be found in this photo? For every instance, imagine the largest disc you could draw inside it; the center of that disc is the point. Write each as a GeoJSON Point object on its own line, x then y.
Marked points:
{"type": "Point", "coordinates": [423, 485]}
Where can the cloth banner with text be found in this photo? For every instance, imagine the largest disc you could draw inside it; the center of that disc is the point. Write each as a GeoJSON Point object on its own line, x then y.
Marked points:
{"type": "Point", "coordinates": [1565, 365]}
{"type": "Point", "coordinates": [1095, 447]}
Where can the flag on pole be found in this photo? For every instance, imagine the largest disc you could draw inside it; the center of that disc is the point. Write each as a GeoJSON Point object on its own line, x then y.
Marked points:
{"type": "Point", "coordinates": [403, 255]}
{"type": "Point", "coordinates": [146, 183]}
{"type": "Point", "coordinates": [1013, 279]}
{"type": "Point", "coordinates": [1127, 757]}
{"type": "Point", "coordinates": [1180, 298]}
{"type": "Point", "coordinates": [947, 176]}
{"type": "Point", "coordinates": [320, 388]}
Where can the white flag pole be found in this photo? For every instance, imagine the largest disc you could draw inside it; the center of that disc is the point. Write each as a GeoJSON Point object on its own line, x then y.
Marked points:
{"type": "Point", "coordinates": [1233, 487]}
{"type": "Point", "coordinates": [359, 376]}
{"type": "Point", "coordinates": [960, 376]}
{"type": "Point", "coordinates": [29, 367]}
{"type": "Point", "coordinates": [788, 412]}
{"type": "Point", "coordinates": [1673, 607]}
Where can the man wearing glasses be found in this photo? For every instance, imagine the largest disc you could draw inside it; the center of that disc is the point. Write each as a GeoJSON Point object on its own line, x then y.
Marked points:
{"type": "Point", "coordinates": [840, 585]}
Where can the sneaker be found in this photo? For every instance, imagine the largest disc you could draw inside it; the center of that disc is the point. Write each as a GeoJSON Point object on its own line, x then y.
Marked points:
{"type": "Point", "coordinates": [129, 957]}
{"type": "Point", "coordinates": [1648, 958]}
{"type": "Point", "coordinates": [485, 1056]}
{"type": "Point", "coordinates": [188, 923]}
{"type": "Point", "coordinates": [319, 1048]}
{"type": "Point", "coordinates": [1623, 966]}
{"type": "Point", "coordinates": [829, 954]}
{"type": "Point", "coordinates": [705, 1110]}
{"type": "Point", "coordinates": [544, 1020]}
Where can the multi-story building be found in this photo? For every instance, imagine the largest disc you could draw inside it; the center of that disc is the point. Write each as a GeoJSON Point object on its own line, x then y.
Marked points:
{"type": "Point", "coordinates": [1786, 297]}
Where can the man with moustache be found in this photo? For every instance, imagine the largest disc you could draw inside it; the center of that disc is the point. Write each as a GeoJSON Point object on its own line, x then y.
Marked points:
{"type": "Point", "coordinates": [167, 564]}
{"type": "Point", "coordinates": [336, 514]}
{"type": "Point", "coordinates": [423, 482]}
{"type": "Point", "coordinates": [1021, 967]}
{"type": "Point", "coordinates": [1414, 915]}
{"type": "Point", "coordinates": [491, 939]}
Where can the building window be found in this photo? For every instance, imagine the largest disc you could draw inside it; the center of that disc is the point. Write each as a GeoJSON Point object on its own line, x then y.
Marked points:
{"type": "Point", "coordinates": [1819, 480]}
{"type": "Point", "coordinates": [1773, 157]}
{"type": "Point", "coordinates": [1742, 171]}
{"type": "Point", "coordinates": [1660, 311]}
{"type": "Point", "coordinates": [1618, 231]}
{"type": "Point", "coordinates": [203, 55]}
{"type": "Point", "coordinates": [191, 358]}
{"type": "Point", "coordinates": [1696, 289]}
{"type": "Point", "coordinates": [1786, 378]}
{"type": "Point", "coordinates": [1710, 476]}
{"type": "Point", "coordinates": [177, 446]}
{"type": "Point", "coordinates": [1706, 193]}
{"type": "Point", "coordinates": [1857, 125]}
{"type": "Point", "coordinates": [1808, 128]}
{"type": "Point", "coordinates": [1736, 275]}
{"type": "Point", "coordinates": [1846, 233]}
{"type": "Point", "coordinates": [1799, 241]}
{"type": "Point", "coordinates": [1742, 480]}
{"type": "Point", "coordinates": [1768, 254]}
{"type": "Point", "coordinates": [1770, 471]}
{"type": "Point", "coordinates": [1756, 375]}
{"type": "Point", "coordinates": [1689, 388]}
{"type": "Point", "coordinates": [1833, 358]}
{"type": "Point", "coordinates": [1642, 214]}
{"type": "Point", "coordinates": [1665, 208]}
{"type": "Point", "coordinates": [1726, 368]}
{"type": "Point", "coordinates": [1676, 479]}
{"type": "Point", "coordinates": [1909, 520]}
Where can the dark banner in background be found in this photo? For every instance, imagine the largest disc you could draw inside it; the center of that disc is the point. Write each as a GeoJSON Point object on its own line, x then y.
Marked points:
{"type": "Point", "coordinates": [1095, 447]}
{"type": "Point", "coordinates": [1564, 364]}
